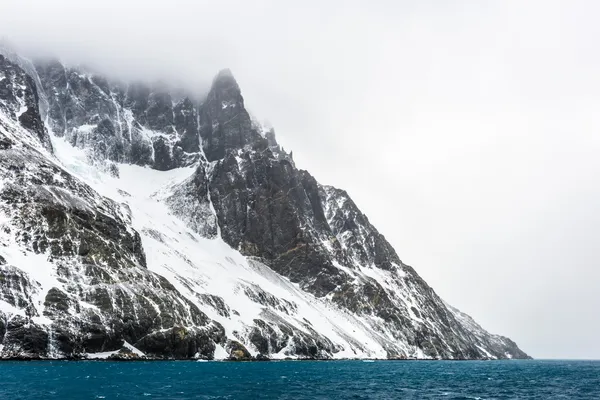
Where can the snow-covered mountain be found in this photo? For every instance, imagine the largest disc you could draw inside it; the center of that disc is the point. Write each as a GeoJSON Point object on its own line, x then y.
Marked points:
{"type": "Point", "coordinates": [139, 220]}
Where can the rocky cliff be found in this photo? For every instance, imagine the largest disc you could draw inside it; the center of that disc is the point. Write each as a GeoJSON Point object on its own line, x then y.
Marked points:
{"type": "Point", "coordinates": [140, 221]}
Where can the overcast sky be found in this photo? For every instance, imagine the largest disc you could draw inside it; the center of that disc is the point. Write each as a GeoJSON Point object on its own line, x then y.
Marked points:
{"type": "Point", "coordinates": [468, 131]}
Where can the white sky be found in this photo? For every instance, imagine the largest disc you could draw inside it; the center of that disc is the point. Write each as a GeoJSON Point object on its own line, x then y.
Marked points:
{"type": "Point", "coordinates": [468, 131]}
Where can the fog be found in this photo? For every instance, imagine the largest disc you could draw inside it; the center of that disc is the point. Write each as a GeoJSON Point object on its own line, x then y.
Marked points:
{"type": "Point", "coordinates": [467, 131]}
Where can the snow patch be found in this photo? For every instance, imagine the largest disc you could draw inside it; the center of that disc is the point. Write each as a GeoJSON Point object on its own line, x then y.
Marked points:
{"type": "Point", "coordinates": [22, 111]}
{"type": "Point", "coordinates": [133, 349]}
{"type": "Point", "coordinates": [220, 353]}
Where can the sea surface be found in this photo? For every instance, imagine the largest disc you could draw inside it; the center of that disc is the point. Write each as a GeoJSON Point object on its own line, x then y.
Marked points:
{"type": "Point", "coordinates": [300, 380]}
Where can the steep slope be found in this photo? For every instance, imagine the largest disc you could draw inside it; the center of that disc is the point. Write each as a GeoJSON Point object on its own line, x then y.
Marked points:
{"type": "Point", "coordinates": [72, 270]}
{"type": "Point", "coordinates": [138, 220]}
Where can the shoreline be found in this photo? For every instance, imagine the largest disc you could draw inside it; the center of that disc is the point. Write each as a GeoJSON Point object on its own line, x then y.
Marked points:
{"type": "Point", "coordinates": [143, 359]}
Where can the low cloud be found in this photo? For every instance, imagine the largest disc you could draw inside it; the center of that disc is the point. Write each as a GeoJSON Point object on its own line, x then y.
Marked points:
{"type": "Point", "coordinates": [466, 131]}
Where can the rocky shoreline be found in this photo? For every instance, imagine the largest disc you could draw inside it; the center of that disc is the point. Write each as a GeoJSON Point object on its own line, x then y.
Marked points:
{"type": "Point", "coordinates": [126, 358]}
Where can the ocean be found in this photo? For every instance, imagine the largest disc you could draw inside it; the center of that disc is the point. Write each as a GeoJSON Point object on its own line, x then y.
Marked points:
{"type": "Point", "coordinates": [527, 379]}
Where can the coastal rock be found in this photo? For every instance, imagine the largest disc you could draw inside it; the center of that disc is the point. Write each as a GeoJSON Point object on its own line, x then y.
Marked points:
{"type": "Point", "coordinates": [237, 351]}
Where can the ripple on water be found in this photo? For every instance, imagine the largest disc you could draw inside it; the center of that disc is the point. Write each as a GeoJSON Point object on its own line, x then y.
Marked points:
{"type": "Point", "coordinates": [301, 380]}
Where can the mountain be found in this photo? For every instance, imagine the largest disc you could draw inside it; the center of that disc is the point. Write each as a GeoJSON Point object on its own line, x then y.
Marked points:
{"type": "Point", "coordinates": [137, 220]}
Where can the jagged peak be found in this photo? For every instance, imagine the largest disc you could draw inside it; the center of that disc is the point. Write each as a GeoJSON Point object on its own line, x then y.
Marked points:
{"type": "Point", "coordinates": [270, 135]}
{"type": "Point", "coordinates": [224, 81]}
{"type": "Point", "coordinates": [225, 73]}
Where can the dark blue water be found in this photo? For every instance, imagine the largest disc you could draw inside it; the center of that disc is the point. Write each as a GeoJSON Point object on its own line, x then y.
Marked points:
{"type": "Point", "coordinates": [301, 380]}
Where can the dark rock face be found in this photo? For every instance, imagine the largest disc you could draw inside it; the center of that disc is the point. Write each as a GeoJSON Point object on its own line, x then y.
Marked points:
{"type": "Point", "coordinates": [225, 125]}
{"type": "Point", "coordinates": [237, 351]}
{"type": "Point", "coordinates": [275, 335]}
{"type": "Point", "coordinates": [180, 342]}
{"type": "Point", "coordinates": [163, 158]}
{"type": "Point", "coordinates": [19, 100]}
{"type": "Point", "coordinates": [137, 99]}
{"type": "Point", "coordinates": [135, 123]}
{"type": "Point", "coordinates": [186, 123]}
{"type": "Point", "coordinates": [159, 111]}
{"type": "Point", "coordinates": [264, 209]}
{"type": "Point", "coordinates": [75, 277]}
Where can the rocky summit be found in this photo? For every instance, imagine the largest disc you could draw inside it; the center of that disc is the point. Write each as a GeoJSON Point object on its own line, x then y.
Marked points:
{"type": "Point", "coordinates": [138, 221]}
